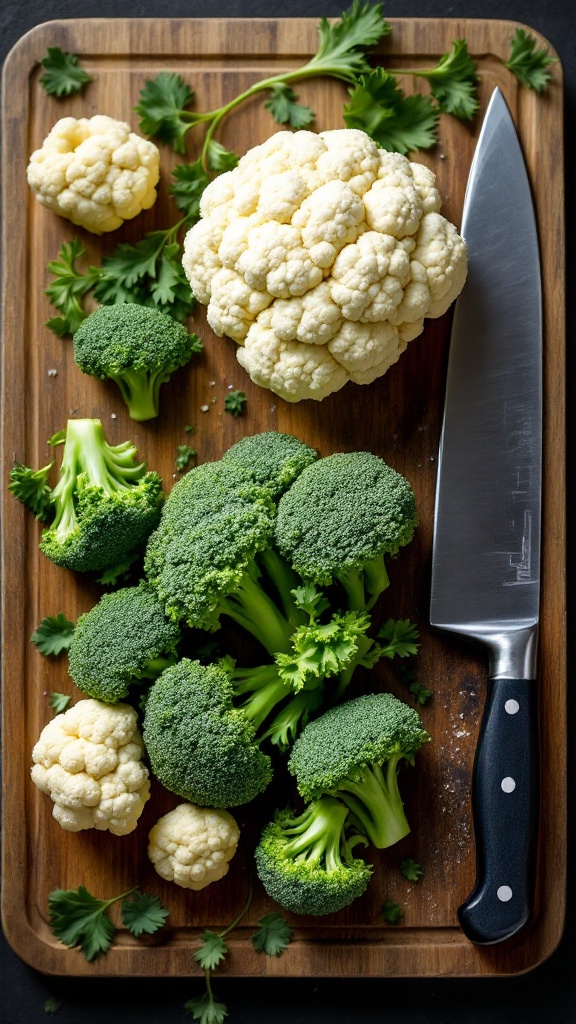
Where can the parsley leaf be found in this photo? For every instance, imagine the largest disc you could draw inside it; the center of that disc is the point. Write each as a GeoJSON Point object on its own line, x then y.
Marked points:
{"type": "Point", "coordinates": [212, 951]}
{"type": "Point", "coordinates": [53, 635]}
{"type": "Point", "coordinates": [285, 109]}
{"type": "Point", "coordinates": [408, 676]}
{"type": "Point", "coordinates": [162, 109]}
{"type": "Point", "coordinates": [273, 935]}
{"type": "Point", "coordinates": [529, 63]}
{"type": "Point", "coordinates": [396, 122]}
{"type": "Point", "coordinates": [63, 75]}
{"type": "Point", "coordinates": [78, 919]}
{"type": "Point", "coordinates": [392, 912]}
{"type": "Point", "coordinates": [190, 182]}
{"type": "Point", "coordinates": [205, 1009]}
{"type": "Point", "coordinates": [219, 158]}
{"type": "Point", "coordinates": [411, 869]}
{"type": "Point", "coordinates": [69, 288]}
{"type": "Point", "coordinates": [310, 599]}
{"type": "Point", "coordinates": [453, 82]}
{"type": "Point", "coordinates": [184, 453]}
{"type": "Point", "coordinates": [234, 402]}
{"type": "Point", "coordinates": [143, 913]}
{"type": "Point", "coordinates": [31, 488]}
{"type": "Point", "coordinates": [401, 638]}
{"type": "Point", "coordinates": [59, 702]}
{"type": "Point", "coordinates": [341, 50]}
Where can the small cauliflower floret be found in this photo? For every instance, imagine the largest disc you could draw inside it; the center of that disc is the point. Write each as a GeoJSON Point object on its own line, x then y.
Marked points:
{"type": "Point", "coordinates": [292, 369]}
{"type": "Point", "coordinates": [89, 762]}
{"type": "Point", "coordinates": [332, 217]}
{"type": "Point", "coordinates": [368, 277]}
{"type": "Point", "coordinates": [234, 305]}
{"type": "Point", "coordinates": [366, 351]}
{"type": "Point", "coordinates": [193, 846]}
{"type": "Point", "coordinates": [309, 234]}
{"type": "Point", "coordinates": [95, 172]}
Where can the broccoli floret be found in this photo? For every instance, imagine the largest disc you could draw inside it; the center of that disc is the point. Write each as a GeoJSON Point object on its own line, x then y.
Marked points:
{"type": "Point", "coordinates": [105, 504]}
{"type": "Point", "coordinates": [306, 864]}
{"type": "Point", "coordinates": [124, 639]}
{"type": "Point", "coordinates": [272, 460]}
{"type": "Point", "coordinates": [339, 520]}
{"type": "Point", "coordinates": [138, 347]}
{"type": "Point", "coordinates": [353, 751]}
{"type": "Point", "coordinates": [31, 488]}
{"type": "Point", "coordinates": [200, 746]}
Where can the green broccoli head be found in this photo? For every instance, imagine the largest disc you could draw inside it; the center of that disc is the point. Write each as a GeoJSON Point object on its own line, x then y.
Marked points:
{"type": "Point", "coordinates": [122, 640]}
{"type": "Point", "coordinates": [138, 347]}
{"type": "Point", "coordinates": [200, 747]}
{"type": "Point", "coordinates": [340, 518]}
{"type": "Point", "coordinates": [272, 460]}
{"type": "Point", "coordinates": [201, 559]}
{"type": "Point", "coordinates": [306, 864]}
{"type": "Point", "coordinates": [353, 751]}
{"type": "Point", "coordinates": [105, 505]}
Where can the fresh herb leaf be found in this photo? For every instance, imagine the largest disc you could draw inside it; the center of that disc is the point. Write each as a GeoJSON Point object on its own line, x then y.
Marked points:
{"type": "Point", "coordinates": [453, 82]}
{"type": "Point", "coordinates": [116, 572]}
{"type": "Point", "coordinates": [411, 869]}
{"type": "Point", "coordinates": [69, 288]}
{"type": "Point", "coordinates": [310, 600]}
{"type": "Point", "coordinates": [396, 122]}
{"type": "Point", "coordinates": [528, 62]}
{"type": "Point", "coordinates": [285, 109]}
{"type": "Point", "coordinates": [184, 453]}
{"type": "Point", "coordinates": [162, 109]}
{"type": "Point", "coordinates": [143, 913]}
{"type": "Point", "coordinates": [59, 702]}
{"type": "Point", "coordinates": [234, 402]}
{"type": "Point", "coordinates": [212, 951]}
{"type": "Point", "coordinates": [206, 1010]}
{"type": "Point", "coordinates": [53, 635]}
{"type": "Point", "coordinates": [320, 651]}
{"type": "Point", "coordinates": [273, 935]}
{"type": "Point", "coordinates": [190, 182]}
{"type": "Point", "coordinates": [219, 158]}
{"type": "Point", "coordinates": [341, 51]}
{"type": "Point", "coordinates": [63, 75]}
{"type": "Point", "coordinates": [400, 638]}
{"type": "Point", "coordinates": [392, 912]}
{"type": "Point", "coordinates": [409, 678]}
{"type": "Point", "coordinates": [30, 487]}
{"type": "Point", "coordinates": [78, 919]}
{"type": "Point", "coordinates": [52, 1005]}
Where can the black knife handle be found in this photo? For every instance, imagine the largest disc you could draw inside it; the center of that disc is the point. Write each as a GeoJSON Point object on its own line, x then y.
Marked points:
{"type": "Point", "coordinates": [505, 806]}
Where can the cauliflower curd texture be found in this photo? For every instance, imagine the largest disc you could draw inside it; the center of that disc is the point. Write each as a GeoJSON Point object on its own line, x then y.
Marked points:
{"type": "Point", "coordinates": [321, 255]}
{"type": "Point", "coordinates": [88, 761]}
{"type": "Point", "coordinates": [192, 846]}
{"type": "Point", "coordinates": [95, 171]}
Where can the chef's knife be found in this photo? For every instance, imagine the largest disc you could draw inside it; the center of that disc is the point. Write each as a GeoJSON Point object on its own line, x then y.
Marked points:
{"type": "Point", "coordinates": [486, 554]}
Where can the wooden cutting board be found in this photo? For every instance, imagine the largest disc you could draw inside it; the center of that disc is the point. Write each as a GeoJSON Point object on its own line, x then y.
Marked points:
{"type": "Point", "coordinates": [397, 417]}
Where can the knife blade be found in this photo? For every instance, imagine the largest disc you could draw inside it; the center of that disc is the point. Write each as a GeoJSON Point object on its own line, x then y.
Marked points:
{"type": "Point", "coordinates": [486, 544]}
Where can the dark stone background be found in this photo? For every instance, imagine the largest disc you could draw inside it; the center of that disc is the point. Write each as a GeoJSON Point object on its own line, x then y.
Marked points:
{"type": "Point", "coordinates": [546, 995]}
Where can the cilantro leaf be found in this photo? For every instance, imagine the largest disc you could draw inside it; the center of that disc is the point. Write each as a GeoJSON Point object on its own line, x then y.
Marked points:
{"type": "Point", "coordinates": [142, 912]}
{"type": "Point", "coordinates": [408, 676]}
{"type": "Point", "coordinates": [52, 1005]}
{"type": "Point", "coordinates": [219, 158]}
{"type": "Point", "coordinates": [391, 912]}
{"type": "Point", "coordinates": [78, 919]}
{"type": "Point", "coordinates": [310, 599]}
{"type": "Point", "coordinates": [63, 75]}
{"type": "Point", "coordinates": [273, 935]}
{"type": "Point", "coordinates": [53, 635]}
{"type": "Point", "coordinates": [31, 488]}
{"type": "Point", "coordinates": [396, 122]}
{"type": "Point", "coordinates": [342, 43]}
{"type": "Point", "coordinates": [190, 182]}
{"type": "Point", "coordinates": [69, 288]}
{"type": "Point", "coordinates": [162, 109]}
{"type": "Point", "coordinates": [206, 1010]}
{"type": "Point", "coordinates": [454, 81]}
{"type": "Point", "coordinates": [59, 702]}
{"type": "Point", "coordinates": [401, 638]}
{"type": "Point", "coordinates": [184, 453]}
{"type": "Point", "coordinates": [528, 62]}
{"type": "Point", "coordinates": [234, 402]}
{"type": "Point", "coordinates": [212, 951]}
{"type": "Point", "coordinates": [285, 109]}
{"type": "Point", "coordinates": [411, 869]}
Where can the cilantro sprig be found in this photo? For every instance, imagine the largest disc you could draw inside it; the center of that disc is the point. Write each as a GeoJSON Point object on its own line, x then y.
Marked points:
{"type": "Point", "coordinates": [53, 635]}
{"type": "Point", "coordinates": [81, 921]}
{"type": "Point", "coordinates": [529, 62]}
{"type": "Point", "coordinates": [234, 402]}
{"type": "Point", "coordinates": [63, 75]}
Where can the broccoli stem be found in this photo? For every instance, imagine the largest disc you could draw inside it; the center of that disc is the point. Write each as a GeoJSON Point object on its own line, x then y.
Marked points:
{"type": "Point", "coordinates": [375, 802]}
{"type": "Point", "coordinates": [285, 580]}
{"type": "Point", "coordinates": [375, 579]}
{"type": "Point", "coordinates": [286, 725]}
{"type": "Point", "coordinates": [365, 643]}
{"type": "Point", "coordinates": [140, 390]}
{"type": "Point", "coordinates": [353, 584]}
{"type": "Point", "coordinates": [252, 609]}
{"type": "Point", "coordinates": [316, 835]}
{"type": "Point", "coordinates": [153, 668]}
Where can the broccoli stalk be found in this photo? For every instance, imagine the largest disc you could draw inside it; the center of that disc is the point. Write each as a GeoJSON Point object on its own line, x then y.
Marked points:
{"type": "Point", "coordinates": [375, 801]}
{"type": "Point", "coordinates": [305, 862]}
{"type": "Point", "coordinates": [269, 702]}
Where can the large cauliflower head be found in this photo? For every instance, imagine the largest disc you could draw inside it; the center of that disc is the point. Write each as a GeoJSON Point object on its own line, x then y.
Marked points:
{"type": "Point", "coordinates": [192, 846]}
{"type": "Point", "coordinates": [321, 255]}
{"type": "Point", "coordinates": [88, 761]}
{"type": "Point", "coordinates": [95, 171]}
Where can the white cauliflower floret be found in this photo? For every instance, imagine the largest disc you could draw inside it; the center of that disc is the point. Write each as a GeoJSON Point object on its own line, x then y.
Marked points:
{"type": "Point", "coordinates": [309, 239]}
{"type": "Point", "coordinates": [193, 846]}
{"type": "Point", "coordinates": [88, 760]}
{"type": "Point", "coordinates": [95, 171]}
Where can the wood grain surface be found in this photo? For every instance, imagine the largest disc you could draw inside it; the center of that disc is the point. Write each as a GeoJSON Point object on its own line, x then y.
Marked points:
{"type": "Point", "coordinates": [397, 417]}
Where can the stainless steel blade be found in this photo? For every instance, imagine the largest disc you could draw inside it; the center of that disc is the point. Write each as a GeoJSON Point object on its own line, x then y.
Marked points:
{"type": "Point", "coordinates": [486, 553]}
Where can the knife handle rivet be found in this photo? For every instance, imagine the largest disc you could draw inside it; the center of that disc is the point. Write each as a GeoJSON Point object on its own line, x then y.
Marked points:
{"type": "Point", "coordinates": [512, 707]}
{"type": "Point", "coordinates": [508, 784]}
{"type": "Point", "coordinates": [504, 893]}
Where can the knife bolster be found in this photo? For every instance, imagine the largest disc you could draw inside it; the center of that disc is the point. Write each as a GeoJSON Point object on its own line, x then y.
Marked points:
{"type": "Point", "coordinates": [513, 653]}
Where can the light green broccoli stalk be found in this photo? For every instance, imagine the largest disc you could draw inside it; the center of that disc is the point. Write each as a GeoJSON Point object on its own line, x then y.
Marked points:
{"type": "Point", "coordinates": [138, 347]}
